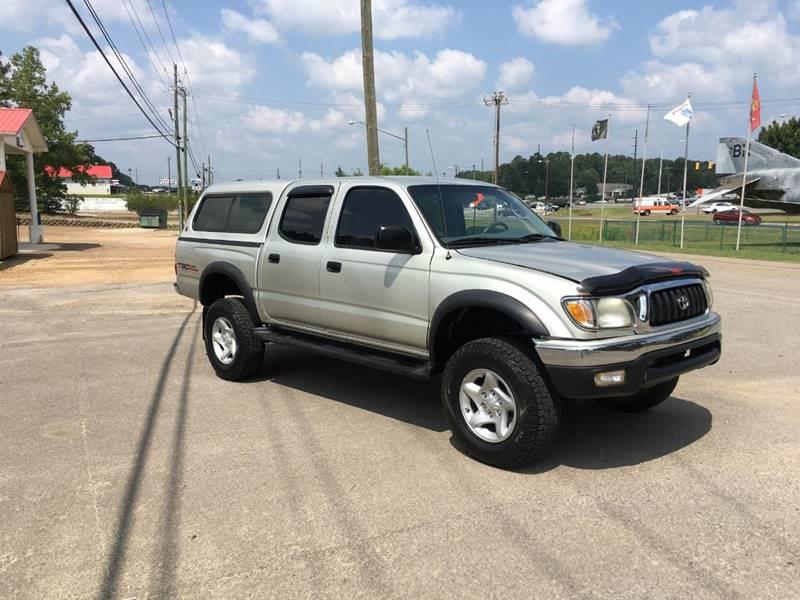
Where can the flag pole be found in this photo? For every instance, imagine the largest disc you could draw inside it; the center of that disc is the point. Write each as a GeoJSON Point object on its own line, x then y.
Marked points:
{"type": "Point", "coordinates": [641, 183]}
{"type": "Point", "coordinates": [605, 174]}
{"type": "Point", "coordinates": [685, 173]}
{"type": "Point", "coordinates": [744, 174]}
{"type": "Point", "coordinates": [660, 165]}
{"type": "Point", "coordinates": [571, 183]}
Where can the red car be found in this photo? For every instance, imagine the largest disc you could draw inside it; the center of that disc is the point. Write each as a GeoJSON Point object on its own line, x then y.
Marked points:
{"type": "Point", "coordinates": [732, 216]}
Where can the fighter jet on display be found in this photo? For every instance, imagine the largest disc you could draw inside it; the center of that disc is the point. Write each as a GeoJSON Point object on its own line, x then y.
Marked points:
{"type": "Point", "coordinates": [773, 178]}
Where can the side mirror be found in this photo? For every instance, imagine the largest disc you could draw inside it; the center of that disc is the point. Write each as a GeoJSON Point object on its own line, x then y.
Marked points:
{"type": "Point", "coordinates": [396, 238]}
{"type": "Point", "coordinates": [555, 226]}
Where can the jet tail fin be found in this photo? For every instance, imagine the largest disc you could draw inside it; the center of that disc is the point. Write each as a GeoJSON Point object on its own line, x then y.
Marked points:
{"type": "Point", "coordinates": [730, 157]}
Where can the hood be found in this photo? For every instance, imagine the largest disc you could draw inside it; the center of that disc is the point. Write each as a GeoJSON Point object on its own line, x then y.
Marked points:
{"type": "Point", "coordinates": [566, 259]}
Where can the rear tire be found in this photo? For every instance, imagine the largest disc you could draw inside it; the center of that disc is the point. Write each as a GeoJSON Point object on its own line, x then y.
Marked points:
{"type": "Point", "coordinates": [647, 213]}
{"type": "Point", "coordinates": [484, 382]}
{"type": "Point", "coordinates": [232, 348]}
{"type": "Point", "coordinates": [642, 400]}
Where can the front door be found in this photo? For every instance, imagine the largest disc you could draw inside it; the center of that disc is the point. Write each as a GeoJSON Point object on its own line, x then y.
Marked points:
{"type": "Point", "coordinates": [374, 295]}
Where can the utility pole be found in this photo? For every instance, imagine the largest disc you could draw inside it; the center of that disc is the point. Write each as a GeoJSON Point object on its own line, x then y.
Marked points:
{"type": "Point", "coordinates": [299, 168]}
{"type": "Point", "coordinates": [186, 180]}
{"type": "Point", "coordinates": [635, 151]}
{"type": "Point", "coordinates": [321, 171]}
{"type": "Point", "coordinates": [136, 170]}
{"type": "Point", "coordinates": [177, 144]}
{"type": "Point", "coordinates": [278, 172]}
{"type": "Point", "coordinates": [203, 174]}
{"type": "Point", "coordinates": [368, 70]}
{"type": "Point", "coordinates": [210, 175]}
{"type": "Point", "coordinates": [405, 143]}
{"type": "Point", "coordinates": [169, 176]}
{"type": "Point", "coordinates": [497, 99]}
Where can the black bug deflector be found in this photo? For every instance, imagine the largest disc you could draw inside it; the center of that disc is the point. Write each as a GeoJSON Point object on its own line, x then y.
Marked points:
{"type": "Point", "coordinates": [638, 275]}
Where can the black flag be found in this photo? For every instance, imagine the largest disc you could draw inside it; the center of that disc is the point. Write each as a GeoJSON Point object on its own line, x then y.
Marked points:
{"type": "Point", "coordinates": [600, 130]}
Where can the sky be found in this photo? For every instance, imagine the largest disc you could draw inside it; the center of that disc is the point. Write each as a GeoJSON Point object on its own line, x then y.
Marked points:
{"type": "Point", "coordinates": [275, 82]}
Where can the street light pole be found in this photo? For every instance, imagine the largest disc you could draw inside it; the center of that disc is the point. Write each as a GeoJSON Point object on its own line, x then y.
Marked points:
{"type": "Point", "coordinates": [403, 139]}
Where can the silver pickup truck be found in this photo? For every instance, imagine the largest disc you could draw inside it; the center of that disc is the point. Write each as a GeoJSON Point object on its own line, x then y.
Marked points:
{"type": "Point", "coordinates": [456, 278]}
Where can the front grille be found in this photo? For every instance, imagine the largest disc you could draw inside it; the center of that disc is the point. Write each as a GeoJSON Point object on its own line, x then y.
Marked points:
{"type": "Point", "coordinates": [677, 304]}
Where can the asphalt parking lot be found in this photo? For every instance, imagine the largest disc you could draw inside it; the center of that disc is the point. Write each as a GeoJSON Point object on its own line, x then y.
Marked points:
{"type": "Point", "coordinates": [128, 470]}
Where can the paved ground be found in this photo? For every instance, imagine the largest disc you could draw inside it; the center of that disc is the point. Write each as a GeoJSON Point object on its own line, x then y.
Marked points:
{"type": "Point", "coordinates": [128, 470]}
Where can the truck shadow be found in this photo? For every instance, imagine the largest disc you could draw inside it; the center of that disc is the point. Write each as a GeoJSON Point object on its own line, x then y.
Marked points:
{"type": "Point", "coordinates": [591, 436]}
{"type": "Point", "coordinates": [594, 437]}
{"type": "Point", "coordinates": [393, 396]}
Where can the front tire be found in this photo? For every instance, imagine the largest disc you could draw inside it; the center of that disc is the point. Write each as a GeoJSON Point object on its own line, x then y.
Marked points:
{"type": "Point", "coordinates": [644, 399]}
{"type": "Point", "coordinates": [232, 348]}
{"type": "Point", "coordinates": [497, 403]}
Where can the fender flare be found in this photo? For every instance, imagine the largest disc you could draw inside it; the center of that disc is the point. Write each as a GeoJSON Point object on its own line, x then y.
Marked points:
{"type": "Point", "coordinates": [227, 269]}
{"type": "Point", "coordinates": [498, 301]}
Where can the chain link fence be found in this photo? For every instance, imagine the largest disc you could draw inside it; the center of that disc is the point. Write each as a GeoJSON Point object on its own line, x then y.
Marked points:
{"type": "Point", "coordinates": [779, 239]}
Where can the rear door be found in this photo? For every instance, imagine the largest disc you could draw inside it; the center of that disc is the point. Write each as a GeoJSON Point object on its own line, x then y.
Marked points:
{"type": "Point", "coordinates": [288, 277]}
{"type": "Point", "coordinates": [370, 295]}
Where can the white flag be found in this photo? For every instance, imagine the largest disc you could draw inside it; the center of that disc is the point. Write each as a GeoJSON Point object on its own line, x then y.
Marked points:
{"type": "Point", "coordinates": [681, 115]}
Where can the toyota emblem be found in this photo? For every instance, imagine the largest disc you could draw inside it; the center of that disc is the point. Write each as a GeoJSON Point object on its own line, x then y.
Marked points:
{"type": "Point", "coordinates": [683, 302]}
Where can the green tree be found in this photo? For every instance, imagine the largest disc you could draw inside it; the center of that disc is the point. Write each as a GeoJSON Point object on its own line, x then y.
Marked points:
{"type": "Point", "coordinates": [340, 172]}
{"type": "Point", "coordinates": [401, 170]}
{"type": "Point", "coordinates": [784, 137]}
{"type": "Point", "coordinates": [23, 84]}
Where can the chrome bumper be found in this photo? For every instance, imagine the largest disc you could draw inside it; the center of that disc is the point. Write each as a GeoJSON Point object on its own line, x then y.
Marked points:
{"type": "Point", "coordinates": [594, 353]}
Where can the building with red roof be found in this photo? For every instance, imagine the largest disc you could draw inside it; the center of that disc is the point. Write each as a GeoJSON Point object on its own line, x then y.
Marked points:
{"type": "Point", "coordinates": [20, 134]}
{"type": "Point", "coordinates": [100, 186]}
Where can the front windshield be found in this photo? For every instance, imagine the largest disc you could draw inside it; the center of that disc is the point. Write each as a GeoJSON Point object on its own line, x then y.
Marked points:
{"type": "Point", "coordinates": [462, 215]}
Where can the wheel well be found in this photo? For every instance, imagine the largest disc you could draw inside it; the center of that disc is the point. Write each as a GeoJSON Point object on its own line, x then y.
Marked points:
{"type": "Point", "coordinates": [216, 286]}
{"type": "Point", "coordinates": [469, 323]}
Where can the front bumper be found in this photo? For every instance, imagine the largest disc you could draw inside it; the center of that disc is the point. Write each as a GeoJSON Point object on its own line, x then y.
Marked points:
{"type": "Point", "coordinates": [646, 359]}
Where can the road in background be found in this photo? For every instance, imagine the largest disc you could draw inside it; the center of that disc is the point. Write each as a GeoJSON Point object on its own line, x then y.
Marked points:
{"type": "Point", "coordinates": [130, 470]}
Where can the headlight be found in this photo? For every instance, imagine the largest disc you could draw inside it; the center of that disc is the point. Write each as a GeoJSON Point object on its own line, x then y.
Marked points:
{"type": "Point", "coordinates": [600, 313]}
{"type": "Point", "coordinates": [709, 292]}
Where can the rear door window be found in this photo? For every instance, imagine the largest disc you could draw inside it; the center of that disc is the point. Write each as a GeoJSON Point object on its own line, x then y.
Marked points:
{"type": "Point", "coordinates": [304, 218]}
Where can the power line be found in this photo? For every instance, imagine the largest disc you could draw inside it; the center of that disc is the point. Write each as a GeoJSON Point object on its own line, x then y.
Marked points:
{"type": "Point", "coordinates": [119, 139]}
{"type": "Point", "coordinates": [113, 70]}
{"type": "Point", "coordinates": [124, 64]}
{"type": "Point", "coordinates": [163, 73]}
{"type": "Point", "coordinates": [188, 79]}
{"type": "Point", "coordinates": [158, 27]}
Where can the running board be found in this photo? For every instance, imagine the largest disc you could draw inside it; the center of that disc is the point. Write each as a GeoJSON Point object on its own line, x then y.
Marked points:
{"type": "Point", "coordinates": [385, 361]}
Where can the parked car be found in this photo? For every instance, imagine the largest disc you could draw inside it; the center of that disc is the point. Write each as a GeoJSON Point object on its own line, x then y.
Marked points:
{"type": "Point", "coordinates": [716, 207]}
{"type": "Point", "coordinates": [394, 274]}
{"type": "Point", "coordinates": [732, 216]}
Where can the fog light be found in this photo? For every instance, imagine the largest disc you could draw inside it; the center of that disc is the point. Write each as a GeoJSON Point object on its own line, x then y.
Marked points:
{"type": "Point", "coordinates": [608, 378]}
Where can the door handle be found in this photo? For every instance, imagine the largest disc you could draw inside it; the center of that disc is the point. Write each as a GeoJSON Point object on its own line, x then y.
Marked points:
{"type": "Point", "coordinates": [334, 267]}
{"type": "Point", "coordinates": [274, 258]}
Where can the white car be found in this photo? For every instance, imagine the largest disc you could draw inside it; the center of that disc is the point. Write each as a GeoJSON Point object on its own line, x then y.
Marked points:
{"type": "Point", "coordinates": [716, 207]}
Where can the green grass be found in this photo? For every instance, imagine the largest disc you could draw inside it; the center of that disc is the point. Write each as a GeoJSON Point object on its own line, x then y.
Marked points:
{"type": "Point", "coordinates": [765, 242]}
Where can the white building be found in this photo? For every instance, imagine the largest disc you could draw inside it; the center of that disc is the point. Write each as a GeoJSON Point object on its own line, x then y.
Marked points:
{"type": "Point", "coordinates": [101, 186]}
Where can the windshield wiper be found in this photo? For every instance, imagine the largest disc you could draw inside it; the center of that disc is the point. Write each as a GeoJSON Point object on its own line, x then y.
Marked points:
{"type": "Point", "coordinates": [536, 237]}
{"type": "Point", "coordinates": [479, 240]}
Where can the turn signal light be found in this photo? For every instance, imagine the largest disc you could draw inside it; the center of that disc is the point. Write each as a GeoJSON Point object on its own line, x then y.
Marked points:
{"type": "Point", "coordinates": [582, 311]}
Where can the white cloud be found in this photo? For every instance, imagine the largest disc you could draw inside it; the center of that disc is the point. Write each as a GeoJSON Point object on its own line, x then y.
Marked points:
{"type": "Point", "coordinates": [392, 19]}
{"type": "Point", "coordinates": [257, 30]}
{"type": "Point", "coordinates": [273, 120]}
{"type": "Point", "coordinates": [400, 78]}
{"type": "Point", "coordinates": [211, 63]}
{"type": "Point", "coordinates": [566, 22]}
{"type": "Point", "coordinates": [515, 74]}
